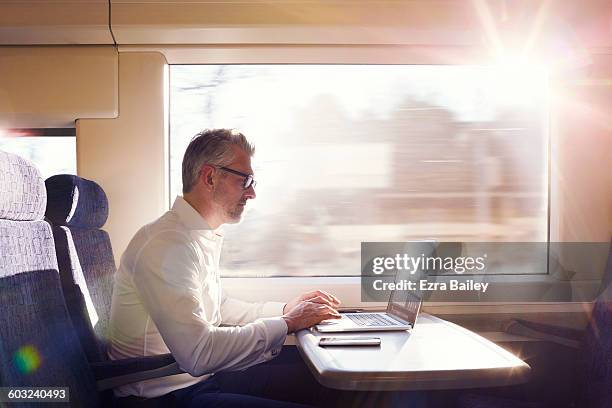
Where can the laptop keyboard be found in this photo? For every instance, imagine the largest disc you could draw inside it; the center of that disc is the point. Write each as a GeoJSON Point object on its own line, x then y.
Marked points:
{"type": "Point", "coordinates": [371, 319]}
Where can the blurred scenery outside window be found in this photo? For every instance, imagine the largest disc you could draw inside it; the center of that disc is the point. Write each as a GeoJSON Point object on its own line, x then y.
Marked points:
{"type": "Point", "coordinates": [350, 153]}
{"type": "Point", "coordinates": [50, 154]}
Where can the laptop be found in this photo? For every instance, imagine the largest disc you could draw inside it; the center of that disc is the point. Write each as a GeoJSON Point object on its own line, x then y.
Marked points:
{"type": "Point", "coordinates": [401, 314]}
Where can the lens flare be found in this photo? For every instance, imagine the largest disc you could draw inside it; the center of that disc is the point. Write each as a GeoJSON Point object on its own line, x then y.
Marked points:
{"type": "Point", "coordinates": [27, 359]}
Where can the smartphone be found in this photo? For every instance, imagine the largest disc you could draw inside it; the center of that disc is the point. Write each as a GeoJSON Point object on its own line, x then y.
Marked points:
{"type": "Point", "coordinates": [349, 341]}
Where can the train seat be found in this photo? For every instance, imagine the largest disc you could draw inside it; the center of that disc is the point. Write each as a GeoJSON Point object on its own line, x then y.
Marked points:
{"type": "Point", "coordinates": [77, 210]}
{"type": "Point", "coordinates": [39, 345]}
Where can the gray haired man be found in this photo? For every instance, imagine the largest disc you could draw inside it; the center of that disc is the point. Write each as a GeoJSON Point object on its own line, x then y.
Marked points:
{"type": "Point", "coordinates": [168, 298]}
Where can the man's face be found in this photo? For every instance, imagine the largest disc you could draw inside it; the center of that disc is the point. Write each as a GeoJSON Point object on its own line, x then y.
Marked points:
{"type": "Point", "coordinates": [230, 195]}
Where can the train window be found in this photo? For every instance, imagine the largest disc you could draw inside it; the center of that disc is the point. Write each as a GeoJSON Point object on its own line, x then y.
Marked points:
{"type": "Point", "coordinates": [352, 153]}
{"type": "Point", "coordinates": [52, 150]}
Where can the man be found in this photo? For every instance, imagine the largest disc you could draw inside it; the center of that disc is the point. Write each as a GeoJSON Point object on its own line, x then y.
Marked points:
{"type": "Point", "coordinates": [167, 295]}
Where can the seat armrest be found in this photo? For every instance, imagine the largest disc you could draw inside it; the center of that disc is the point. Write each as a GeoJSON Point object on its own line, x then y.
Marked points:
{"type": "Point", "coordinates": [564, 336]}
{"type": "Point", "coordinates": [115, 373]}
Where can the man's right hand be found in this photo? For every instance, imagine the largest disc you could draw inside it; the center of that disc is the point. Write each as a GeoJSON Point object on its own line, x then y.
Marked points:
{"type": "Point", "coordinates": [307, 314]}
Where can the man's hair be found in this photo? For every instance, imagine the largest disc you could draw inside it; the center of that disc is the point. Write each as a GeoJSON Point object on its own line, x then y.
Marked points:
{"type": "Point", "coordinates": [211, 146]}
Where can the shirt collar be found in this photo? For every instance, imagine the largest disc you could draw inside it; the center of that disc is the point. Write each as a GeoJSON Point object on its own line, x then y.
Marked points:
{"type": "Point", "coordinates": [192, 219]}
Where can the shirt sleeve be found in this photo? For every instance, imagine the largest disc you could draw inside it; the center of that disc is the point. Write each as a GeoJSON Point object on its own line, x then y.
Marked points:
{"type": "Point", "coordinates": [239, 312]}
{"type": "Point", "coordinates": [167, 278]}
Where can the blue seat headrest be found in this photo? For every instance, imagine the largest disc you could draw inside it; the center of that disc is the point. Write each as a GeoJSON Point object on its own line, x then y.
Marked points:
{"type": "Point", "coordinates": [22, 192]}
{"type": "Point", "coordinates": [75, 202]}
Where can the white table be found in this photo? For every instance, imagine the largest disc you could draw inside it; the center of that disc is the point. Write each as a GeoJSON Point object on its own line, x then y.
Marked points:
{"type": "Point", "coordinates": [435, 355]}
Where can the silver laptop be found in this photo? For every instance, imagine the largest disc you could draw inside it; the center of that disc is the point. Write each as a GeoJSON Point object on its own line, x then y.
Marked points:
{"type": "Point", "coordinates": [402, 311]}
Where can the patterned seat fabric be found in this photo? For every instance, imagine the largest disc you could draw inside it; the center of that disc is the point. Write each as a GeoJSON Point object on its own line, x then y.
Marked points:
{"type": "Point", "coordinates": [38, 344]}
{"type": "Point", "coordinates": [77, 208]}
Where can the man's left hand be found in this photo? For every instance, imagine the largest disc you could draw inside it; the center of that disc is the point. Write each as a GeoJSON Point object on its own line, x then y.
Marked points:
{"type": "Point", "coordinates": [317, 296]}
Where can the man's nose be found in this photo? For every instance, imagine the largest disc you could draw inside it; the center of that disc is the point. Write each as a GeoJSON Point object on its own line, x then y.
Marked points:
{"type": "Point", "coordinates": [249, 193]}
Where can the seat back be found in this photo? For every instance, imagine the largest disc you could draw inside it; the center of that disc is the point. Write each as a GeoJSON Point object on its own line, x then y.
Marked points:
{"type": "Point", "coordinates": [596, 363]}
{"type": "Point", "coordinates": [38, 344]}
{"type": "Point", "coordinates": [77, 208]}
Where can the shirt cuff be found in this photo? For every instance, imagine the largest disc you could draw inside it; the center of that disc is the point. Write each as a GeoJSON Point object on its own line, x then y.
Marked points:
{"type": "Point", "coordinates": [276, 330]}
{"type": "Point", "coordinates": [272, 309]}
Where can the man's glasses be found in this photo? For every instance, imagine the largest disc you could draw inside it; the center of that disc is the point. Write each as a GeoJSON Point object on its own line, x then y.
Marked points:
{"type": "Point", "coordinates": [248, 178]}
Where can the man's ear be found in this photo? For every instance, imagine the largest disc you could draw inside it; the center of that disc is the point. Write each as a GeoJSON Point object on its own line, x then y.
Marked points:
{"type": "Point", "coordinates": [207, 173]}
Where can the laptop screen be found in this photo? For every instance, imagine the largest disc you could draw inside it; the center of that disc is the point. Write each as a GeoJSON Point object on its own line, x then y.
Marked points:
{"type": "Point", "coordinates": [407, 308]}
{"type": "Point", "coordinates": [404, 304]}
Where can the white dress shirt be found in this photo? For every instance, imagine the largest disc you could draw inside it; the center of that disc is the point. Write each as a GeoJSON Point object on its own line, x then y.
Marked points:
{"type": "Point", "coordinates": [168, 298]}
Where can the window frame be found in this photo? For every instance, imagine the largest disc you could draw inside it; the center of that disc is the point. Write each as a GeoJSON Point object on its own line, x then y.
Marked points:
{"type": "Point", "coordinates": [273, 288]}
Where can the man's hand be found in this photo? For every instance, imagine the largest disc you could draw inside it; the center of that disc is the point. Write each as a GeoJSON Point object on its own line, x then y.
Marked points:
{"type": "Point", "coordinates": [306, 314]}
{"type": "Point", "coordinates": [317, 296]}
